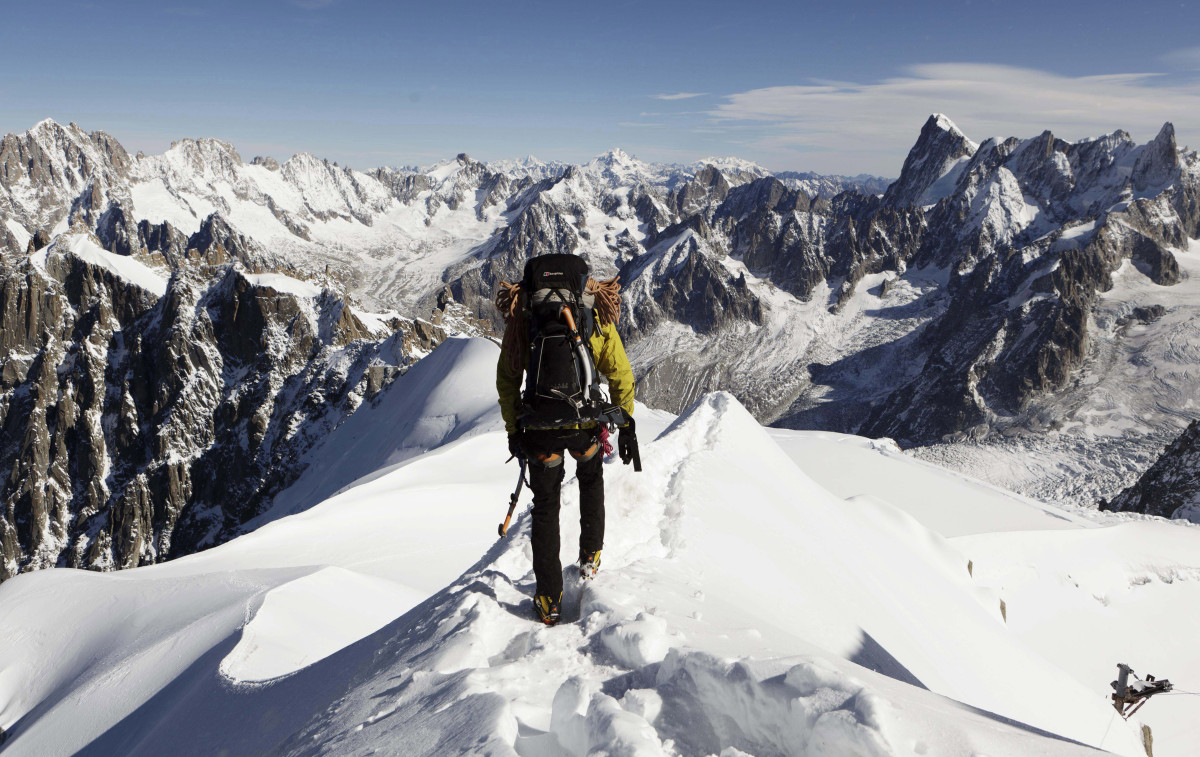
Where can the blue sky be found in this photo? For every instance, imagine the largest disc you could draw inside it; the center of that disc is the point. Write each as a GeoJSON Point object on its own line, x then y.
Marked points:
{"type": "Point", "coordinates": [832, 87]}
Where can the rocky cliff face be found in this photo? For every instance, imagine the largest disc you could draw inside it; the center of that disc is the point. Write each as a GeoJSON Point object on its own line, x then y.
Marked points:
{"type": "Point", "coordinates": [1171, 487]}
{"type": "Point", "coordinates": [147, 413]}
{"type": "Point", "coordinates": [51, 176]}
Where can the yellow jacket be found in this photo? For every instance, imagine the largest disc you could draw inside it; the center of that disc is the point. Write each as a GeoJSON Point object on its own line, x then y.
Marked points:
{"type": "Point", "coordinates": [607, 351]}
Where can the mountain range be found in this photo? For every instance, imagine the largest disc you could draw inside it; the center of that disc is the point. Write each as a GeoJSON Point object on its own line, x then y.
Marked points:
{"type": "Point", "coordinates": [180, 327]}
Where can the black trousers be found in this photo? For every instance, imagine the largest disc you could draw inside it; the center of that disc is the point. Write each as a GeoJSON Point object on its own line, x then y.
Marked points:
{"type": "Point", "coordinates": [545, 479]}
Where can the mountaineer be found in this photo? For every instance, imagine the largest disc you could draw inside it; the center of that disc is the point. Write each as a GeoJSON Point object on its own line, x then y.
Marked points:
{"type": "Point", "coordinates": [560, 333]}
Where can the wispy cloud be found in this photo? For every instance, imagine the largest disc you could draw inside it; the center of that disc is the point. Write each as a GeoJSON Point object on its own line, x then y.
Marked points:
{"type": "Point", "coordinates": [1187, 59]}
{"type": "Point", "coordinates": [871, 121]}
{"type": "Point", "coordinates": [679, 96]}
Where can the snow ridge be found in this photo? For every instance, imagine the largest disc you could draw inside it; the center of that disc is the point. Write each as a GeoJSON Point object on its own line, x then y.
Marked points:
{"type": "Point", "coordinates": [824, 624]}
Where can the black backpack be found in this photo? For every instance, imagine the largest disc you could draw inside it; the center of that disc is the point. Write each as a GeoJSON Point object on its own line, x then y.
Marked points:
{"type": "Point", "coordinates": [562, 387]}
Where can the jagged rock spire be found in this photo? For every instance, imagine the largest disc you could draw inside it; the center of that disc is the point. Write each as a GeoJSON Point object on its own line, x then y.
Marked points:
{"type": "Point", "coordinates": [939, 147]}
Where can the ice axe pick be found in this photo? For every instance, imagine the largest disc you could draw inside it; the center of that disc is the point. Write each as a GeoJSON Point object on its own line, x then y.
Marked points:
{"type": "Point", "coordinates": [512, 502]}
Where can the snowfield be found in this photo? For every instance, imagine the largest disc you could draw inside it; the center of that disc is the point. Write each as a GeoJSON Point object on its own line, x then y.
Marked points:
{"type": "Point", "coordinates": [763, 592]}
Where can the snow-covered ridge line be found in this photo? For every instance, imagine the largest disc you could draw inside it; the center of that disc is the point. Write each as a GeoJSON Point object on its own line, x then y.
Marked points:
{"type": "Point", "coordinates": [742, 605]}
{"type": "Point", "coordinates": [87, 249]}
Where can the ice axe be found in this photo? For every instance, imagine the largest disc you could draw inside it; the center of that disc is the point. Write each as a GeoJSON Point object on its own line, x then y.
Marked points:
{"type": "Point", "coordinates": [512, 502]}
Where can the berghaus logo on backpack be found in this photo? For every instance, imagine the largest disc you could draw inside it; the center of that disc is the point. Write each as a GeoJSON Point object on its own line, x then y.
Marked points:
{"type": "Point", "coordinates": [548, 274]}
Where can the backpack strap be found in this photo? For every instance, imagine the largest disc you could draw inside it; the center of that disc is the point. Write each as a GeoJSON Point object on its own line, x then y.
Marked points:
{"type": "Point", "coordinates": [589, 324]}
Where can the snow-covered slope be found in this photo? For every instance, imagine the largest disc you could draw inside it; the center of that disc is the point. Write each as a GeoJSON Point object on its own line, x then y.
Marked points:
{"type": "Point", "coordinates": [752, 598]}
{"type": "Point", "coordinates": [438, 402]}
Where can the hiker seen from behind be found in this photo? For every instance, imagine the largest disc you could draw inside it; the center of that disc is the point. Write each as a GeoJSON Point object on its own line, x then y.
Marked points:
{"type": "Point", "coordinates": [560, 336]}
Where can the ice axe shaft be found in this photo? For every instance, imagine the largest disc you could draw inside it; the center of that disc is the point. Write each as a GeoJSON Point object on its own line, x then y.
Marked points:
{"type": "Point", "coordinates": [512, 502]}
{"type": "Point", "coordinates": [570, 318]}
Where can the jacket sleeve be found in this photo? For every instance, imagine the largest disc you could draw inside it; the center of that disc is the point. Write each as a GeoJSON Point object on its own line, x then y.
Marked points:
{"type": "Point", "coordinates": [508, 387]}
{"type": "Point", "coordinates": [614, 364]}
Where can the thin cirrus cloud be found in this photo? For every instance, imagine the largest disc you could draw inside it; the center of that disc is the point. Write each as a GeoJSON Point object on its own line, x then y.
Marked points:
{"type": "Point", "coordinates": [1187, 59]}
{"type": "Point", "coordinates": [869, 127]}
{"type": "Point", "coordinates": [679, 95]}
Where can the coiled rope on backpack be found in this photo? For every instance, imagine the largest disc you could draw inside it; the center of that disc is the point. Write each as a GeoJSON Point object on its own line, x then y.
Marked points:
{"type": "Point", "coordinates": [510, 302]}
{"type": "Point", "coordinates": [608, 299]}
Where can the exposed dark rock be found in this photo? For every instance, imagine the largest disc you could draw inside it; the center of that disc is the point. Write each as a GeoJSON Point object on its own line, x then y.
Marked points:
{"type": "Point", "coordinates": [699, 292]}
{"type": "Point", "coordinates": [938, 147]}
{"type": "Point", "coordinates": [39, 240]}
{"type": "Point", "coordinates": [1158, 163]}
{"type": "Point", "coordinates": [707, 190]}
{"type": "Point", "coordinates": [1171, 487]}
{"type": "Point", "coordinates": [1143, 315]}
{"type": "Point", "coordinates": [137, 428]}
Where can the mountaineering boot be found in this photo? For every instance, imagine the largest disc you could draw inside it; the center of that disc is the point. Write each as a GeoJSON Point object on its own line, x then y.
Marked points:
{"type": "Point", "coordinates": [589, 563]}
{"type": "Point", "coordinates": [546, 608]}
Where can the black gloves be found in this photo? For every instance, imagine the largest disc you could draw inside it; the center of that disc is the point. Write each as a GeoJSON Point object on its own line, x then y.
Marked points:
{"type": "Point", "coordinates": [627, 446]}
{"type": "Point", "coordinates": [514, 445]}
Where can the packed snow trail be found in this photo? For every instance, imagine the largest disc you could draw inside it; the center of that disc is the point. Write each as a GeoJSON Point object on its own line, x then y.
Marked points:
{"type": "Point", "coordinates": [740, 606]}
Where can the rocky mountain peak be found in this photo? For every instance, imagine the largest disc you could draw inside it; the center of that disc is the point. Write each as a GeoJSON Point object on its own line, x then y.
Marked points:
{"type": "Point", "coordinates": [48, 131]}
{"type": "Point", "coordinates": [193, 164]}
{"type": "Point", "coordinates": [1158, 162]}
{"type": "Point", "coordinates": [1043, 168]}
{"type": "Point", "coordinates": [616, 169]}
{"type": "Point", "coordinates": [732, 166]}
{"type": "Point", "coordinates": [206, 150]}
{"type": "Point", "coordinates": [927, 173]}
{"type": "Point", "coordinates": [943, 122]}
{"type": "Point", "coordinates": [50, 171]}
{"type": "Point", "coordinates": [614, 157]}
{"type": "Point", "coordinates": [528, 167]}
{"type": "Point", "coordinates": [615, 162]}
{"type": "Point", "coordinates": [303, 162]}
{"type": "Point", "coordinates": [707, 188]}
